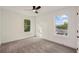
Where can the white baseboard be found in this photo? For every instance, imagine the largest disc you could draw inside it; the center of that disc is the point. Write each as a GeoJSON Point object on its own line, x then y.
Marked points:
{"type": "Point", "coordinates": [17, 39]}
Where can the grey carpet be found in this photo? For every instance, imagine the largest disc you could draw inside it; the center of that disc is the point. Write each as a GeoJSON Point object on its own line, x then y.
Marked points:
{"type": "Point", "coordinates": [34, 45]}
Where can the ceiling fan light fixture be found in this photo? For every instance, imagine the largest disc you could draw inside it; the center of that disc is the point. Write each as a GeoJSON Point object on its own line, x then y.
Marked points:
{"type": "Point", "coordinates": [34, 10]}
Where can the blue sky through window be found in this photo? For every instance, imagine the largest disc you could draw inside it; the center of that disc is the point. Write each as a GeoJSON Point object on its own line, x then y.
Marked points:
{"type": "Point", "coordinates": [61, 19]}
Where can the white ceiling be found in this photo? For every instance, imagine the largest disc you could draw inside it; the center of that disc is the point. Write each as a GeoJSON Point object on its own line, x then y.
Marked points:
{"type": "Point", "coordinates": [27, 10]}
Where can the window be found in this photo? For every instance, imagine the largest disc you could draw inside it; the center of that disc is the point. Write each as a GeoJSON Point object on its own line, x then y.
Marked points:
{"type": "Point", "coordinates": [26, 25]}
{"type": "Point", "coordinates": [61, 25]}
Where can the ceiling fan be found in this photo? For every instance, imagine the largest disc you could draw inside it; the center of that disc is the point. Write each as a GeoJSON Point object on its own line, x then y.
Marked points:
{"type": "Point", "coordinates": [34, 9]}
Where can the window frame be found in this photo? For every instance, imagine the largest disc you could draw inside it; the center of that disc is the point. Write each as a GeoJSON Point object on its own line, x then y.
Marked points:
{"type": "Point", "coordinates": [55, 25]}
{"type": "Point", "coordinates": [27, 25]}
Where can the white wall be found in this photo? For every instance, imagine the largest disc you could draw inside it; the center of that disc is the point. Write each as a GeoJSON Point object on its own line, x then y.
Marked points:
{"type": "Point", "coordinates": [13, 26]}
{"type": "Point", "coordinates": [46, 27]}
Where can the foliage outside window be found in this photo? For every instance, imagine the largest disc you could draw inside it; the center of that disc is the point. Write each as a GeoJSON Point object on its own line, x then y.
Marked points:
{"type": "Point", "coordinates": [26, 25]}
{"type": "Point", "coordinates": [61, 24]}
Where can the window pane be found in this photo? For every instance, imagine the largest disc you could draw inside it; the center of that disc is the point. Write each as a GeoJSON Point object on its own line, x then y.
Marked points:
{"type": "Point", "coordinates": [27, 28]}
{"type": "Point", "coordinates": [61, 24]}
{"type": "Point", "coordinates": [26, 21]}
{"type": "Point", "coordinates": [26, 25]}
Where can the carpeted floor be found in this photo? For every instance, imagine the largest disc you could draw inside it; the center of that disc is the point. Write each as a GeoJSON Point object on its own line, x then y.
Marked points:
{"type": "Point", "coordinates": [34, 45]}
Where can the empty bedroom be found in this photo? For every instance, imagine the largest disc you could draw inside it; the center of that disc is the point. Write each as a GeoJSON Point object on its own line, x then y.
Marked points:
{"type": "Point", "coordinates": [39, 29]}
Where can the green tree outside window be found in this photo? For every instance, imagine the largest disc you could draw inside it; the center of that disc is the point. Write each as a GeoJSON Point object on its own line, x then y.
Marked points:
{"type": "Point", "coordinates": [26, 25]}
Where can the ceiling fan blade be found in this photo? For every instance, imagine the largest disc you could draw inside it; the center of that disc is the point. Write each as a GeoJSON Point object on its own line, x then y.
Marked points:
{"type": "Point", "coordinates": [33, 7]}
{"type": "Point", "coordinates": [36, 12]}
{"type": "Point", "coordinates": [38, 7]}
